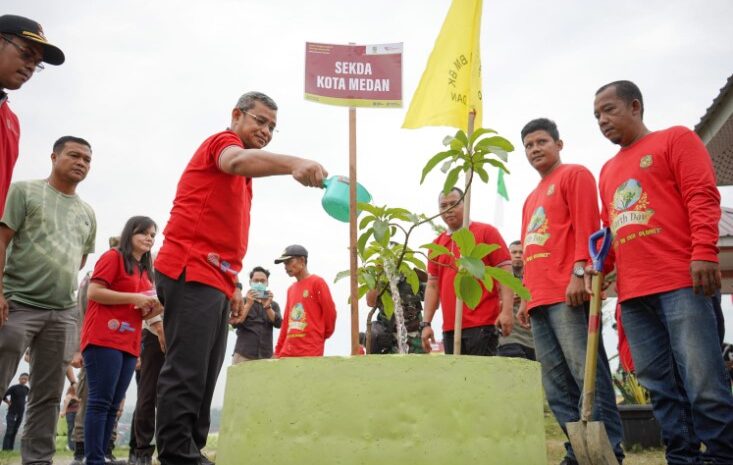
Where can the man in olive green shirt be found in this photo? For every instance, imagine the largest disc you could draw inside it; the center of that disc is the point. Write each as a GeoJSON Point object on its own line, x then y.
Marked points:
{"type": "Point", "coordinates": [46, 233]}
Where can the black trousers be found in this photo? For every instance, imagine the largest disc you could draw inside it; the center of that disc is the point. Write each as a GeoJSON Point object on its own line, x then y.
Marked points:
{"type": "Point", "coordinates": [151, 362]}
{"type": "Point", "coordinates": [13, 419]}
{"type": "Point", "coordinates": [196, 320]}
{"type": "Point", "coordinates": [481, 340]}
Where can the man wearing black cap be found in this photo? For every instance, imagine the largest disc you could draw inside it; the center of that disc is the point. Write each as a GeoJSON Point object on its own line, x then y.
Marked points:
{"type": "Point", "coordinates": [22, 49]}
{"type": "Point", "coordinates": [310, 314]}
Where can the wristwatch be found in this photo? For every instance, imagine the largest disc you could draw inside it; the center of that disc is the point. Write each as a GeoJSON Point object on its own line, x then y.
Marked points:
{"type": "Point", "coordinates": [579, 271]}
{"type": "Point", "coordinates": [423, 325]}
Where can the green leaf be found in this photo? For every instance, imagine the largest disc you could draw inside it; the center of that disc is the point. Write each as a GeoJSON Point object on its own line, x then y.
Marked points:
{"type": "Point", "coordinates": [461, 137]}
{"type": "Point", "coordinates": [380, 230]}
{"type": "Point", "coordinates": [482, 173]}
{"type": "Point", "coordinates": [499, 153]}
{"type": "Point", "coordinates": [478, 133]}
{"type": "Point", "coordinates": [366, 220]}
{"type": "Point", "coordinates": [496, 141]}
{"type": "Point", "coordinates": [362, 291]}
{"type": "Point", "coordinates": [496, 163]}
{"type": "Point", "coordinates": [415, 261]}
{"type": "Point", "coordinates": [507, 278]}
{"type": "Point", "coordinates": [369, 252]}
{"type": "Point", "coordinates": [447, 140]}
{"type": "Point", "coordinates": [446, 166]}
{"type": "Point", "coordinates": [465, 241]}
{"type": "Point", "coordinates": [414, 218]}
{"type": "Point", "coordinates": [451, 179]}
{"type": "Point", "coordinates": [370, 281]}
{"type": "Point", "coordinates": [436, 250]}
{"type": "Point", "coordinates": [368, 207]}
{"type": "Point", "coordinates": [482, 250]}
{"type": "Point", "coordinates": [413, 280]}
{"type": "Point", "coordinates": [387, 304]}
{"type": "Point", "coordinates": [437, 158]}
{"type": "Point", "coordinates": [399, 213]}
{"type": "Point", "coordinates": [341, 275]}
{"type": "Point", "coordinates": [361, 243]}
{"type": "Point", "coordinates": [473, 265]}
{"type": "Point", "coordinates": [468, 289]}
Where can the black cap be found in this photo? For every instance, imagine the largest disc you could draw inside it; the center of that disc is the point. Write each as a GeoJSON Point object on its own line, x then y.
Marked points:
{"type": "Point", "coordinates": [31, 30]}
{"type": "Point", "coordinates": [291, 251]}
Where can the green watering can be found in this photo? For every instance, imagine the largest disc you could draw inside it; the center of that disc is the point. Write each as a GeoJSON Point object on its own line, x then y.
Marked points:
{"type": "Point", "coordinates": [336, 197]}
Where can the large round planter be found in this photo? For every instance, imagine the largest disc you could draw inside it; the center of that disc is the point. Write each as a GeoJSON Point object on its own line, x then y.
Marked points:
{"type": "Point", "coordinates": [381, 409]}
{"type": "Point", "coordinates": [641, 429]}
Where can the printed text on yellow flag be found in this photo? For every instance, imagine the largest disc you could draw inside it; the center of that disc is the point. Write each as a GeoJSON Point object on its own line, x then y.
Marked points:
{"type": "Point", "coordinates": [450, 86]}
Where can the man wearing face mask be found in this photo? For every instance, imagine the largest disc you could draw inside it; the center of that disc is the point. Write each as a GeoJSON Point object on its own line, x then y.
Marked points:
{"type": "Point", "coordinates": [254, 334]}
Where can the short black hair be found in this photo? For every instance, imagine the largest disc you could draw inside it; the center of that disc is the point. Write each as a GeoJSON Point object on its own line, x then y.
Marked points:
{"type": "Point", "coordinates": [24, 374]}
{"type": "Point", "coordinates": [626, 91]}
{"type": "Point", "coordinates": [58, 146]}
{"type": "Point", "coordinates": [247, 101]}
{"type": "Point", "coordinates": [541, 124]}
{"type": "Point", "coordinates": [515, 243]}
{"type": "Point", "coordinates": [261, 270]}
{"type": "Point", "coordinates": [454, 189]}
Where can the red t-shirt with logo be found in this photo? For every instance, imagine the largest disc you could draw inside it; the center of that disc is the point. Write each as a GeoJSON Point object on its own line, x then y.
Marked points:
{"type": "Point", "coordinates": [208, 229]}
{"type": "Point", "coordinates": [309, 319]}
{"type": "Point", "coordinates": [557, 219]}
{"type": "Point", "coordinates": [444, 270]}
{"type": "Point", "coordinates": [659, 197]}
{"type": "Point", "coordinates": [9, 139]}
{"type": "Point", "coordinates": [115, 326]}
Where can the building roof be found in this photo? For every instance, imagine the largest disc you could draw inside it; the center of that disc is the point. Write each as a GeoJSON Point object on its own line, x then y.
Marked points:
{"type": "Point", "coordinates": [726, 223]}
{"type": "Point", "coordinates": [716, 130]}
{"type": "Point", "coordinates": [717, 102]}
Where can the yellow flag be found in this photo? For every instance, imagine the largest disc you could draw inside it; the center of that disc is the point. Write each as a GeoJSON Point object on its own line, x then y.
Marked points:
{"type": "Point", "coordinates": [450, 86]}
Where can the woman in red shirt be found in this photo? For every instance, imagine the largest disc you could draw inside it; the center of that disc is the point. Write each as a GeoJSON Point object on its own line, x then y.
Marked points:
{"type": "Point", "coordinates": [120, 295]}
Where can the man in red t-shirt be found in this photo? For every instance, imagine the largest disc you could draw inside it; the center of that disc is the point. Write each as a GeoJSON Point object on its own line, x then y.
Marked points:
{"type": "Point", "coordinates": [479, 333]}
{"type": "Point", "coordinates": [22, 49]}
{"type": "Point", "coordinates": [197, 267]}
{"type": "Point", "coordinates": [557, 218]}
{"type": "Point", "coordinates": [310, 314]}
{"type": "Point", "coordinates": [659, 198]}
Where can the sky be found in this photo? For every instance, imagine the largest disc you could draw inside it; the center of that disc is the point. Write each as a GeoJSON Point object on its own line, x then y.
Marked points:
{"type": "Point", "coordinates": [146, 82]}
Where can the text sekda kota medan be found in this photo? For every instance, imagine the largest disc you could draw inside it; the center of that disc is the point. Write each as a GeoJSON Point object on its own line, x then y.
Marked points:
{"type": "Point", "coordinates": [352, 68]}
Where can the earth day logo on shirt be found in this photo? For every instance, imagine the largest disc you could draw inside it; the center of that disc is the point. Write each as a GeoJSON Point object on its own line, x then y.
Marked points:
{"type": "Point", "coordinates": [537, 229]}
{"type": "Point", "coordinates": [629, 206]}
{"type": "Point", "coordinates": [297, 317]}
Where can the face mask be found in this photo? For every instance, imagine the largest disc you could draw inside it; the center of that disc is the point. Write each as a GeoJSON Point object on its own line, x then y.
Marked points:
{"type": "Point", "coordinates": [259, 287]}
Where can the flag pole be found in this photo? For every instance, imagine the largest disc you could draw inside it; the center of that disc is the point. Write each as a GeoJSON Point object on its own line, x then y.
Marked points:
{"type": "Point", "coordinates": [353, 263]}
{"type": "Point", "coordinates": [458, 323]}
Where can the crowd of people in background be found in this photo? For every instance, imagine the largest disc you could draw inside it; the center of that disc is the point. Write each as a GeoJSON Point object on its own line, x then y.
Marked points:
{"type": "Point", "coordinates": [166, 320]}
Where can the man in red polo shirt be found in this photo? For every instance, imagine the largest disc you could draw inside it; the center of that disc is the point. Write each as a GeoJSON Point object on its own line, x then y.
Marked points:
{"type": "Point", "coordinates": [557, 218]}
{"type": "Point", "coordinates": [659, 198]}
{"type": "Point", "coordinates": [22, 49]}
{"type": "Point", "coordinates": [197, 267]}
{"type": "Point", "coordinates": [479, 333]}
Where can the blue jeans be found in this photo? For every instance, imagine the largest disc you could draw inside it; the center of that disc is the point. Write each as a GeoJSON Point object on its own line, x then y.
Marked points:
{"type": "Point", "coordinates": [70, 418]}
{"type": "Point", "coordinates": [109, 372]}
{"type": "Point", "coordinates": [674, 342]}
{"type": "Point", "coordinates": [560, 336]}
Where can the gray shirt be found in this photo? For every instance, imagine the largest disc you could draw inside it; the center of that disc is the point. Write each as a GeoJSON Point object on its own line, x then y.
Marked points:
{"type": "Point", "coordinates": [254, 334]}
{"type": "Point", "coordinates": [520, 334]}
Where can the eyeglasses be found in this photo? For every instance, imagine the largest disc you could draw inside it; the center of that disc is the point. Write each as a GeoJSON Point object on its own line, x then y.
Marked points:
{"type": "Point", "coordinates": [26, 54]}
{"type": "Point", "coordinates": [261, 122]}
